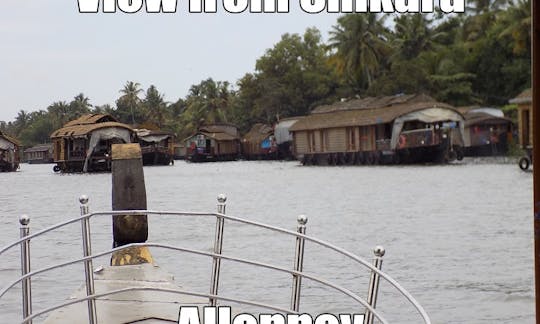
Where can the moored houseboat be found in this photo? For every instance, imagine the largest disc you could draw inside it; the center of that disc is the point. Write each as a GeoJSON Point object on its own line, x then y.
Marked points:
{"type": "Point", "coordinates": [392, 129]}
{"type": "Point", "coordinates": [219, 142]}
{"type": "Point", "coordinates": [284, 138]}
{"type": "Point", "coordinates": [259, 143]}
{"type": "Point", "coordinates": [487, 131]}
{"type": "Point", "coordinates": [157, 146]}
{"type": "Point", "coordinates": [84, 144]}
{"type": "Point", "coordinates": [9, 153]}
{"type": "Point", "coordinates": [41, 153]}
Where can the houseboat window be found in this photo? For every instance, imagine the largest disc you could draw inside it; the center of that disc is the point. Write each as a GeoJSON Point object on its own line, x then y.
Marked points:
{"type": "Point", "coordinates": [324, 139]}
{"type": "Point", "coordinates": [383, 131]}
{"type": "Point", "coordinates": [351, 138]}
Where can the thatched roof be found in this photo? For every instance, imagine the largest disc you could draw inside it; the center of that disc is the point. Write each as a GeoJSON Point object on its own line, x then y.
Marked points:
{"type": "Point", "coordinates": [367, 111]}
{"type": "Point", "coordinates": [87, 124]}
{"type": "Point", "coordinates": [39, 148]}
{"type": "Point", "coordinates": [219, 136]}
{"type": "Point", "coordinates": [475, 118]}
{"type": "Point", "coordinates": [220, 128]}
{"type": "Point", "coordinates": [10, 139]}
{"type": "Point", "coordinates": [523, 98]}
{"type": "Point", "coordinates": [141, 132]}
{"type": "Point", "coordinates": [91, 119]}
{"type": "Point", "coordinates": [258, 133]}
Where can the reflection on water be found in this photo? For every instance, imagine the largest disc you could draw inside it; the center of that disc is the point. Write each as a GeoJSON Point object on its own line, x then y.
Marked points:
{"type": "Point", "coordinates": [458, 237]}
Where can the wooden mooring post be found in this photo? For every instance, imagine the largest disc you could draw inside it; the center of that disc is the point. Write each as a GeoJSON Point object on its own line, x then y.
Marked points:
{"type": "Point", "coordinates": [129, 193]}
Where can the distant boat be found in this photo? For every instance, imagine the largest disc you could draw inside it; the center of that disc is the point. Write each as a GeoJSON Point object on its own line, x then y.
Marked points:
{"type": "Point", "coordinates": [487, 131]}
{"type": "Point", "coordinates": [157, 146]}
{"type": "Point", "coordinates": [259, 143]}
{"type": "Point", "coordinates": [217, 142]}
{"type": "Point", "coordinates": [381, 130]}
{"type": "Point", "coordinates": [41, 153]}
{"type": "Point", "coordinates": [84, 144]}
{"type": "Point", "coordinates": [9, 153]}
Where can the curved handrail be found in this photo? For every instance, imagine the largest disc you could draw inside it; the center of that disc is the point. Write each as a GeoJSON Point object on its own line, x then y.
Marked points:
{"type": "Point", "coordinates": [323, 243]}
{"type": "Point", "coordinates": [199, 252]}
{"type": "Point", "coordinates": [174, 291]}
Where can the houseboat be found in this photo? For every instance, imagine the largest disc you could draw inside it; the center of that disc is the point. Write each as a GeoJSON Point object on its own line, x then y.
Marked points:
{"type": "Point", "coordinates": [284, 137]}
{"type": "Point", "coordinates": [259, 143]}
{"type": "Point", "coordinates": [525, 126]}
{"type": "Point", "coordinates": [392, 129]}
{"type": "Point", "coordinates": [487, 131]}
{"type": "Point", "coordinates": [42, 153]}
{"type": "Point", "coordinates": [84, 144]}
{"type": "Point", "coordinates": [219, 142]}
{"type": "Point", "coordinates": [157, 146]}
{"type": "Point", "coordinates": [9, 153]}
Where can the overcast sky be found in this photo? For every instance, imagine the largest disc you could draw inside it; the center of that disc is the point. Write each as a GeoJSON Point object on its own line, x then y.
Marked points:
{"type": "Point", "coordinates": [51, 52]}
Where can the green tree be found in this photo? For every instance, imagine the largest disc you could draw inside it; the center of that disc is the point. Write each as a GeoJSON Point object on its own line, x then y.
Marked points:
{"type": "Point", "coordinates": [360, 44]}
{"type": "Point", "coordinates": [129, 104]}
{"type": "Point", "coordinates": [155, 107]}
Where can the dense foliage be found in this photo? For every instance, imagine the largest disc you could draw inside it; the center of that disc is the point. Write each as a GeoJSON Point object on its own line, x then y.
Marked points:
{"type": "Point", "coordinates": [482, 57]}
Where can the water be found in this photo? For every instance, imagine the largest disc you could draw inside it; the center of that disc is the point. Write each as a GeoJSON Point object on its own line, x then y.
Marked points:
{"type": "Point", "coordinates": [458, 237]}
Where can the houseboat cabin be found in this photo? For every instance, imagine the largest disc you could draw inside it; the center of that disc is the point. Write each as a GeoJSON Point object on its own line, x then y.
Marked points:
{"type": "Point", "coordinates": [487, 131]}
{"type": "Point", "coordinates": [9, 153]}
{"type": "Point", "coordinates": [393, 129]}
{"type": "Point", "coordinates": [157, 147]}
{"type": "Point", "coordinates": [284, 137]}
{"type": "Point", "coordinates": [220, 142]}
{"type": "Point", "coordinates": [259, 143]}
{"type": "Point", "coordinates": [42, 153]}
{"type": "Point", "coordinates": [84, 144]}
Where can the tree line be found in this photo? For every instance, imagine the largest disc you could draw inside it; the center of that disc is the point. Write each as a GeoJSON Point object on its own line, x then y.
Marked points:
{"type": "Point", "coordinates": [478, 58]}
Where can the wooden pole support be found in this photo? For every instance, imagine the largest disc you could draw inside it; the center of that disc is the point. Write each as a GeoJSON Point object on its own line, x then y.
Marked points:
{"type": "Point", "coordinates": [128, 193]}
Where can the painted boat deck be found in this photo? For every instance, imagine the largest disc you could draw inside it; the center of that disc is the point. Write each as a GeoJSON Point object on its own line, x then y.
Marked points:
{"type": "Point", "coordinates": [133, 306]}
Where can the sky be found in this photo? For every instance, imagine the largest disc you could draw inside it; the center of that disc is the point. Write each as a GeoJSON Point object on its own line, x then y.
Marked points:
{"type": "Point", "coordinates": [50, 52]}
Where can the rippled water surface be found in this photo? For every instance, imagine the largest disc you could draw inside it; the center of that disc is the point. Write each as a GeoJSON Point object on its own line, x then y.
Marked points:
{"type": "Point", "coordinates": [458, 237]}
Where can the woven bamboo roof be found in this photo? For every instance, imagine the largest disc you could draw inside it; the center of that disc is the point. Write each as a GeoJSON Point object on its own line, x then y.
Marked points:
{"type": "Point", "coordinates": [39, 148]}
{"type": "Point", "coordinates": [258, 133]}
{"type": "Point", "coordinates": [219, 136]}
{"type": "Point", "coordinates": [475, 118]}
{"type": "Point", "coordinates": [10, 139]}
{"type": "Point", "coordinates": [87, 124]}
{"type": "Point", "coordinates": [367, 111]}
{"type": "Point", "coordinates": [523, 97]}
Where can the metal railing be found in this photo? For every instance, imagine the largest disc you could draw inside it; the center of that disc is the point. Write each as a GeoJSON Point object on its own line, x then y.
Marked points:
{"type": "Point", "coordinates": [297, 272]}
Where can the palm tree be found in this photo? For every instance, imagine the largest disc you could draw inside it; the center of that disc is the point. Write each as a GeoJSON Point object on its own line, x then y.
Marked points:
{"type": "Point", "coordinates": [155, 106]}
{"type": "Point", "coordinates": [360, 44]}
{"type": "Point", "coordinates": [517, 20]}
{"type": "Point", "coordinates": [60, 112]}
{"type": "Point", "coordinates": [413, 35]}
{"type": "Point", "coordinates": [21, 121]}
{"type": "Point", "coordinates": [130, 98]}
{"type": "Point", "coordinates": [80, 105]}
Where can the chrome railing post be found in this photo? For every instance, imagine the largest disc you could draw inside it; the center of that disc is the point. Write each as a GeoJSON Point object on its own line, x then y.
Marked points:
{"type": "Point", "coordinates": [298, 263]}
{"type": "Point", "coordinates": [88, 268]}
{"type": "Point", "coordinates": [24, 220]}
{"type": "Point", "coordinates": [218, 247]}
{"type": "Point", "coordinates": [374, 283]}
